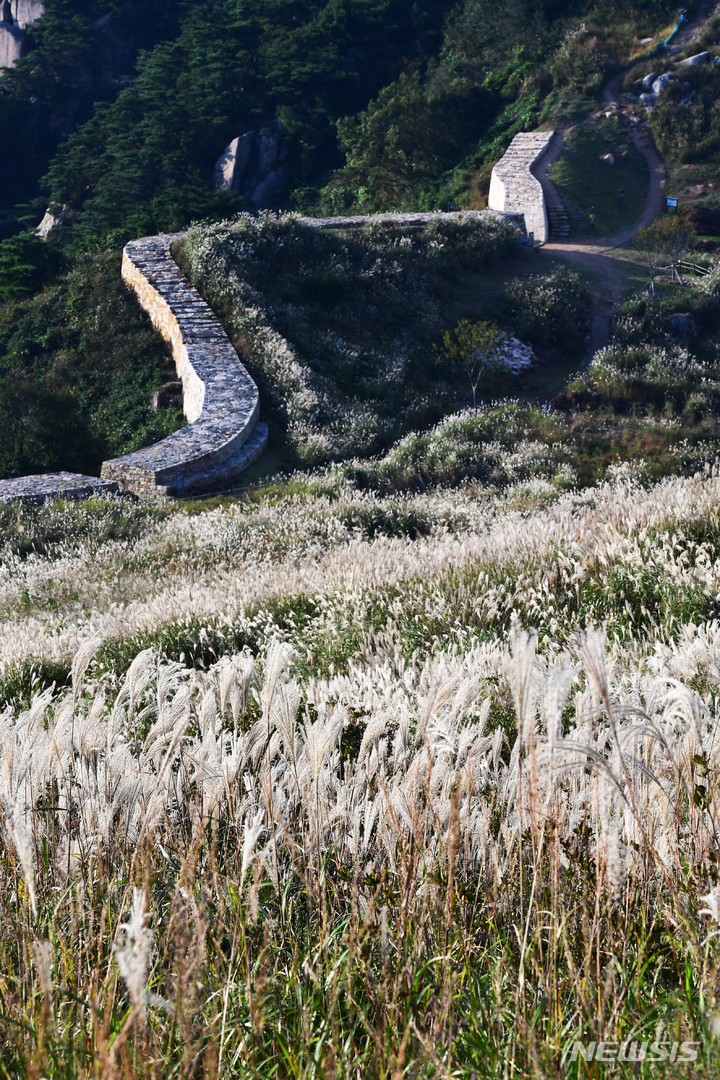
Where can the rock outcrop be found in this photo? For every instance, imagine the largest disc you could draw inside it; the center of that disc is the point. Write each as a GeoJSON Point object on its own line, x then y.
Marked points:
{"type": "Point", "coordinates": [517, 357]}
{"type": "Point", "coordinates": [514, 189]}
{"type": "Point", "coordinates": [251, 167]}
{"type": "Point", "coordinates": [55, 219]}
{"type": "Point", "coordinates": [654, 84]}
{"type": "Point", "coordinates": [698, 58]}
{"type": "Point", "coordinates": [220, 399]}
{"type": "Point", "coordinates": [15, 17]}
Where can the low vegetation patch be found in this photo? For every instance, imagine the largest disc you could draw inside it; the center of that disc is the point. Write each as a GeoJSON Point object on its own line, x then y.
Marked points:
{"type": "Point", "coordinates": [339, 328]}
{"type": "Point", "coordinates": [343, 331]}
{"type": "Point", "coordinates": [685, 122]}
{"type": "Point", "coordinates": [663, 361]}
{"type": "Point", "coordinates": [392, 772]}
{"type": "Point", "coordinates": [586, 184]}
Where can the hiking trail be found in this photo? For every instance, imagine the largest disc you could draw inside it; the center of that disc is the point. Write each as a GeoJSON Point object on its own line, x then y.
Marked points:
{"type": "Point", "coordinates": [597, 255]}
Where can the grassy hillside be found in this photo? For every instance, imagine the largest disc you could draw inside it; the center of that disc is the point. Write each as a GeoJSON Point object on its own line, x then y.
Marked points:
{"type": "Point", "coordinates": [383, 105]}
{"type": "Point", "coordinates": [404, 763]}
{"type": "Point", "coordinates": [340, 329]}
{"type": "Point", "coordinates": [354, 833]}
{"type": "Point", "coordinates": [584, 182]}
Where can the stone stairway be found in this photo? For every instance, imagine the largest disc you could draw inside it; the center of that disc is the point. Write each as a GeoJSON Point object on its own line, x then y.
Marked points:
{"type": "Point", "coordinates": [558, 221]}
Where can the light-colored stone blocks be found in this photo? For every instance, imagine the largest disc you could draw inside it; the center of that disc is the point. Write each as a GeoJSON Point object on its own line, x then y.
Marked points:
{"type": "Point", "coordinates": [220, 399]}
{"type": "Point", "coordinates": [15, 17]}
{"type": "Point", "coordinates": [514, 189]}
{"type": "Point", "coordinates": [35, 490]}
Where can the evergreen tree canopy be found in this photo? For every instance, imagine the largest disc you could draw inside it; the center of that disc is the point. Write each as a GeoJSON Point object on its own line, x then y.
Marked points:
{"type": "Point", "coordinates": [235, 65]}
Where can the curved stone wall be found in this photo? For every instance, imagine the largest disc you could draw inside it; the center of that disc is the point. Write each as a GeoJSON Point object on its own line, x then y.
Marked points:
{"type": "Point", "coordinates": [220, 399]}
{"type": "Point", "coordinates": [514, 189]}
{"type": "Point", "coordinates": [223, 436]}
{"type": "Point", "coordinates": [43, 487]}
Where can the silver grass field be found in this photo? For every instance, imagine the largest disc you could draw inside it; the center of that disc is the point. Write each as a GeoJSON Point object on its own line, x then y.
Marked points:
{"type": "Point", "coordinates": [435, 801]}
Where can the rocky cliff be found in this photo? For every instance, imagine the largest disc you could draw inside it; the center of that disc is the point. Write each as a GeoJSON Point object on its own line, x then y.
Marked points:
{"type": "Point", "coordinates": [252, 166]}
{"type": "Point", "coordinates": [15, 17]}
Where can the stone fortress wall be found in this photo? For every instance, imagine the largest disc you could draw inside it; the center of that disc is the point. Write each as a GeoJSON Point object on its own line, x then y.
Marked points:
{"type": "Point", "coordinates": [223, 436]}
{"type": "Point", "coordinates": [220, 399]}
{"type": "Point", "coordinates": [514, 189]}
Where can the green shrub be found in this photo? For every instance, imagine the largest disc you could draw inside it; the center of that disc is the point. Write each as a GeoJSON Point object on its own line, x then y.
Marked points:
{"type": "Point", "coordinates": [650, 368]}
{"type": "Point", "coordinates": [584, 61]}
{"type": "Point", "coordinates": [22, 682]}
{"type": "Point", "coordinates": [550, 309]}
{"type": "Point", "coordinates": [56, 525]}
{"type": "Point", "coordinates": [399, 147]}
{"type": "Point", "coordinates": [26, 264]}
{"type": "Point", "coordinates": [685, 122]}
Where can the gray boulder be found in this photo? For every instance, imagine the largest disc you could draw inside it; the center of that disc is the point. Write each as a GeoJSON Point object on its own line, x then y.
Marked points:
{"type": "Point", "coordinates": [698, 58]}
{"type": "Point", "coordinates": [28, 11]}
{"type": "Point", "coordinates": [232, 164]}
{"type": "Point", "coordinates": [660, 83]}
{"type": "Point", "coordinates": [251, 167]}
{"type": "Point", "coordinates": [54, 219]}
{"type": "Point", "coordinates": [268, 150]}
{"type": "Point", "coordinates": [269, 192]}
{"type": "Point", "coordinates": [12, 43]}
{"type": "Point", "coordinates": [649, 80]}
{"type": "Point", "coordinates": [683, 322]}
{"type": "Point", "coordinates": [13, 28]}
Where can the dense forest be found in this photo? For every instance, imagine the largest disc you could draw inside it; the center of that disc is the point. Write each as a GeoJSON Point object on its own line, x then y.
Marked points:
{"type": "Point", "coordinates": [117, 113]}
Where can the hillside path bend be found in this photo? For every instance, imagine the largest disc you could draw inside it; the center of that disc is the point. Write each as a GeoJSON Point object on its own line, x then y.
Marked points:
{"type": "Point", "coordinates": [598, 256]}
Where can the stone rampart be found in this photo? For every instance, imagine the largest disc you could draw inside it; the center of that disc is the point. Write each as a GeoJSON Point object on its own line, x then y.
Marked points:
{"type": "Point", "coordinates": [514, 189]}
{"type": "Point", "coordinates": [35, 490]}
{"type": "Point", "coordinates": [220, 399]}
{"type": "Point", "coordinates": [409, 219]}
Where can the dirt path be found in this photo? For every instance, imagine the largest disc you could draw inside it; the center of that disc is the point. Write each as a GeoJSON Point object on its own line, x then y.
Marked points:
{"type": "Point", "coordinates": [597, 255]}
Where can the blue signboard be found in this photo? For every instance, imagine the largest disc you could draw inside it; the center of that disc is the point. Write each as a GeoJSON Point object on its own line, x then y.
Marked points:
{"type": "Point", "coordinates": [671, 202]}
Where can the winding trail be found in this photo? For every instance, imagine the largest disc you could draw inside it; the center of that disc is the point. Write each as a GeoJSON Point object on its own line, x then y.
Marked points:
{"type": "Point", "coordinates": [598, 255]}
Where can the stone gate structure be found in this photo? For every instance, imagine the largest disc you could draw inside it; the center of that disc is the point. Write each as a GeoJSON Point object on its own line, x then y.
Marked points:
{"type": "Point", "coordinates": [514, 189]}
